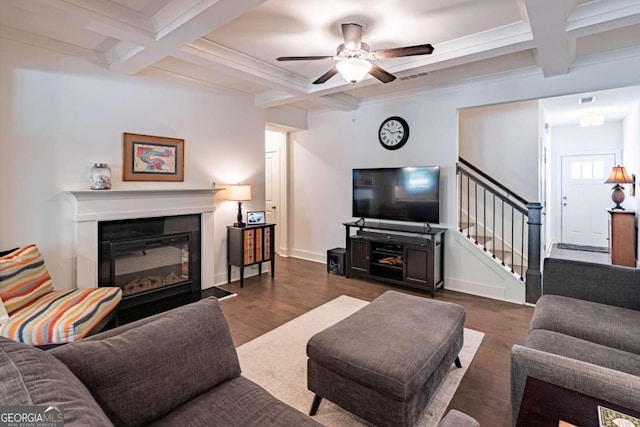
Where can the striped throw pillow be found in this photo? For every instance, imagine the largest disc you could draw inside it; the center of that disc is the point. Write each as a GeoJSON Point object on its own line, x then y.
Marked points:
{"type": "Point", "coordinates": [23, 278]}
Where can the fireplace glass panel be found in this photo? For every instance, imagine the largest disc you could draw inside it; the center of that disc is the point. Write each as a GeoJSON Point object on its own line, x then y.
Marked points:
{"type": "Point", "coordinates": [149, 264]}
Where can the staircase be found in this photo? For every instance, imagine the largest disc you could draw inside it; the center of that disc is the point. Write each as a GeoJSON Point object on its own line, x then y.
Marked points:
{"type": "Point", "coordinates": [493, 247]}
{"type": "Point", "coordinates": [500, 223]}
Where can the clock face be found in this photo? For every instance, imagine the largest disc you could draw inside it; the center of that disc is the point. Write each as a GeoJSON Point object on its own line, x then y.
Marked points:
{"type": "Point", "coordinates": [393, 133]}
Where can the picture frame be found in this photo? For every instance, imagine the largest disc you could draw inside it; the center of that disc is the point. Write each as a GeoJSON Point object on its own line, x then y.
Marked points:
{"type": "Point", "coordinates": [255, 218]}
{"type": "Point", "coordinates": [152, 158]}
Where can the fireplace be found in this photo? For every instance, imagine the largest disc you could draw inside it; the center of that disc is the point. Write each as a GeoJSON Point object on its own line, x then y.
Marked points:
{"type": "Point", "coordinates": [150, 259]}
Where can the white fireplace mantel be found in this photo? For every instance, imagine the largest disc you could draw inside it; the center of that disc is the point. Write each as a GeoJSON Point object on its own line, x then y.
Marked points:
{"type": "Point", "coordinates": [93, 206]}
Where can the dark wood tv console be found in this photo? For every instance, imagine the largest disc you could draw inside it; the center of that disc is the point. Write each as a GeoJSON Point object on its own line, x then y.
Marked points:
{"type": "Point", "coordinates": [407, 255]}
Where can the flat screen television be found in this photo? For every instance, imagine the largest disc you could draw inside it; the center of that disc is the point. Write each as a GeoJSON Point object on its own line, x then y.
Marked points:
{"type": "Point", "coordinates": [401, 194]}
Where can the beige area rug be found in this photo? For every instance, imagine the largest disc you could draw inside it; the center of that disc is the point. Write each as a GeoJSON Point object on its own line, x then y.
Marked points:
{"type": "Point", "coordinates": [278, 362]}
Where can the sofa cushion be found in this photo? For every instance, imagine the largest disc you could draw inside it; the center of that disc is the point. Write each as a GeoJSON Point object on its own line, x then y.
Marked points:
{"type": "Point", "coordinates": [607, 325]}
{"type": "Point", "coordinates": [23, 278]}
{"type": "Point", "coordinates": [237, 402]}
{"type": "Point", "coordinates": [586, 351]}
{"type": "Point", "coordinates": [33, 377]}
{"type": "Point", "coordinates": [605, 284]}
{"type": "Point", "coordinates": [61, 316]}
{"type": "Point", "coordinates": [145, 372]}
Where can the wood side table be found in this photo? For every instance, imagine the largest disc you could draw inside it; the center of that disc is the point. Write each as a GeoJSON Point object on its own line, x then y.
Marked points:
{"type": "Point", "coordinates": [545, 405]}
{"type": "Point", "coordinates": [250, 245]}
{"type": "Point", "coordinates": [622, 238]}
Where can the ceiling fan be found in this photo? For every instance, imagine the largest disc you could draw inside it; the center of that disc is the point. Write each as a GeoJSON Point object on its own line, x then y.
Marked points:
{"type": "Point", "coordinates": [354, 57]}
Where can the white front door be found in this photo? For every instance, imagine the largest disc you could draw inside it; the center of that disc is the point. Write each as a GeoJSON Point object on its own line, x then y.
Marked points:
{"type": "Point", "coordinates": [272, 191]}
{"type": "Point", "coordinates": [585, 199]}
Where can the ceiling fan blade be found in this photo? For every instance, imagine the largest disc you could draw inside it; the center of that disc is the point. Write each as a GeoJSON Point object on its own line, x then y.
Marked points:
{"type": "Point", "coordinates": [326, 76]}
{"type": "Point", "coordinates": [352, 34]}
{"type": "Point", "coordinates": [303, 58]}
{"type": "Point", "coordinates": [421, 49]}
{"type": "Point", "coordinates": [380, 74]}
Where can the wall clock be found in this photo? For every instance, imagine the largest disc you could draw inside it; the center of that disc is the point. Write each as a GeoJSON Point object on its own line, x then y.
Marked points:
{"type": "Point", "coordinates": [393, 133]}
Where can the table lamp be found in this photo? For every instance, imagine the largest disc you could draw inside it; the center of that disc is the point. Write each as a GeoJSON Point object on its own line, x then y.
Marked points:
{"type": "Point", "coordinates": [239, 193]}
{"type": "Point", "coordinates": [618, 176]}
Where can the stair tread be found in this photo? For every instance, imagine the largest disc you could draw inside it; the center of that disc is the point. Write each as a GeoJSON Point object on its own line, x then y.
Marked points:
{"type": "Point", "coordinates": [521, 270]}
{"type": "Point", "coordinates": [482, 239]}
{"type": "Point", "coordinates": [465, 225]}
{"type": "Point", "coordinates": [501, 254]}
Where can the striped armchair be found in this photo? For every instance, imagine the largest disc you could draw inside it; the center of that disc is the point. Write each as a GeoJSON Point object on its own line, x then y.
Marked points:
{"type": "Point", "coordinates": [32, 312]}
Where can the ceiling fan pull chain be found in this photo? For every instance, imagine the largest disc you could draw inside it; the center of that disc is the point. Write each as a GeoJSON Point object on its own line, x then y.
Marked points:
{"type": "Point", "coordinates": [355, 103]}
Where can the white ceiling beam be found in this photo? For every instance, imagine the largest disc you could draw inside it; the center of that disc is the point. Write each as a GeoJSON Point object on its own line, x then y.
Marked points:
{"type": "Point", "coordinates": [595, 17]}
{"type": "Point", "coordinates": [98, 16]}
{"type": "Point", "coordinates": [180, 12]}
{"type": "Point", "coordinates": [107, 10]}
{"type": "Point", "coordinates": [262, 71]}
{"type": "Point", "coordinates": [117, 52]}
{"type": "Point", "coordinates": [476, 47]}
{"type": "Point", "coordinates": [201, 20]}
{"type": "Point", "coordinates": [274, 98]}
{"type": "Point", "coordinates": [48, 43]}
{"type": "Point", "coordinates": [156, 71]}
{"type": "Point", "coordinates": [547, 18]}
{"type": "Point", "coordinates": [288, 87]}
{"type": "Point", "coordinates": [173, 11]}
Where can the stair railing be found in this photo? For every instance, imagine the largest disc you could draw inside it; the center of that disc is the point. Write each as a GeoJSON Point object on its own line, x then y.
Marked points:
{"type": "Point", "coordinates": [498, 217]}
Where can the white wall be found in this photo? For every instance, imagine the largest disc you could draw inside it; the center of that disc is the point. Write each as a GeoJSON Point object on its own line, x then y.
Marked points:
{"type": "Point", "coordinates": [60, 114]}
{"type": "Point", "coordinates": [502, 141]}
{"type": "Point", "coordinates": [323, 156]}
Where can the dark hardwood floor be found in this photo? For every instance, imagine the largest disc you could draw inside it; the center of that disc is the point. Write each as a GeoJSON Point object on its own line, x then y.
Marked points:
{"type": "Point", "coordinates": [299, 286]}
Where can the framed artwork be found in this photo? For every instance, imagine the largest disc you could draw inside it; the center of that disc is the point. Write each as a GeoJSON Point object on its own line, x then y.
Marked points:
{"type": "Point", "coordinates": [152, 158]}
{"type": "Point", "coordinates": [256, 217]}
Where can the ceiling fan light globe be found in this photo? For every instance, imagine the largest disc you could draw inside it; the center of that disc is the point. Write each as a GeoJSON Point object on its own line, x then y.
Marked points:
{"type": "Point", "coordinates": [353, 70]}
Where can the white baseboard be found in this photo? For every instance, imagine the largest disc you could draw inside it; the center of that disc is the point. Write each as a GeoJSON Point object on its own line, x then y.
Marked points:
{"type": "Point", "coordinates": [478, 289]}
{"type": "Point", "coordinates": [309, 256]}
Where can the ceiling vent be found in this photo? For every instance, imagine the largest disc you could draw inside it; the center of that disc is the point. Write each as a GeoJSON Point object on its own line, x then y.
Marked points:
{"type": "Point", "coordinates": [413, 76]}
{"type": "Point", "coordinates": [587, 100]}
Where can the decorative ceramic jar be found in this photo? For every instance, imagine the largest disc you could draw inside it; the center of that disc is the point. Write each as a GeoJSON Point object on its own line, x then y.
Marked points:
{"type": "Point", "coordinates": [100, 176]}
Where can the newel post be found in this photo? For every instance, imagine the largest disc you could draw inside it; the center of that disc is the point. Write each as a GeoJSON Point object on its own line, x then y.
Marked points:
{"type": "Point", "coordinates": [533, 286]}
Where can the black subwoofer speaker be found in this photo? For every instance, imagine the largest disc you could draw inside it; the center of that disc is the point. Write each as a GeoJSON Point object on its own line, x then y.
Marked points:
{"type": "Point", "coordinates": [335, 260]}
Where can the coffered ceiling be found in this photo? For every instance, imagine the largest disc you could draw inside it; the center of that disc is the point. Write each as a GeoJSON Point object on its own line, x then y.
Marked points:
{"type": "Point", "coordinates": [233, 44]}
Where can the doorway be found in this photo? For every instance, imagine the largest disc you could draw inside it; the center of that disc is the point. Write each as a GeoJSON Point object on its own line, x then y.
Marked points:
{"type": "Point", "coordinates": [585, 199]}
{"type": "Point", "coordinates": [275, 149]}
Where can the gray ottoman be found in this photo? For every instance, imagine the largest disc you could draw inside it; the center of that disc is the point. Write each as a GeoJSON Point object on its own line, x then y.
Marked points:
{"type": "Point", "coordinates": [384, 362]}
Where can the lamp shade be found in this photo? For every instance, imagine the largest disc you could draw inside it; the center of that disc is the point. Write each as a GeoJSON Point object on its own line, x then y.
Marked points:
{"type": "Point", "coordinates": [239, 193]}
{"type": "Point", "coordinates": [619, 176]}
{"type": "Point", "coordinates": [353, 70]}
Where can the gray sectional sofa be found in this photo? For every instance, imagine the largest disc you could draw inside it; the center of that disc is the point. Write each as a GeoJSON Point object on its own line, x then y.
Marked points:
{"type": "Point", "coordinates": [584, 335]}
{"type": "Point", "coordinates": [179, 368]}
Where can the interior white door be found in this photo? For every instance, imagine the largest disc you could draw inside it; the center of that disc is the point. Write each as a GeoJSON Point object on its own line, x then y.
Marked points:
{"type": "Point", "coordinates": [272, 191]}
{"type": "Point", "coordinates": [585, 199]}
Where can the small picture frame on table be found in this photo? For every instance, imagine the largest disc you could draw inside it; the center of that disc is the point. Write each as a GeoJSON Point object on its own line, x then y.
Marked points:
{"type": "Point", "coordinates": [255, 218]}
